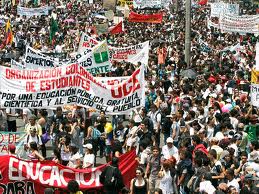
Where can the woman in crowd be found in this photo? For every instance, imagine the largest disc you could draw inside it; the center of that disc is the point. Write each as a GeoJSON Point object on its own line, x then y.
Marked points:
{"type": "Point", "coordinates": [89, 158]}
{"type": "Point", "coordinates": [34, 152]}
{"type": "Point", "coordinates": [139, 185]}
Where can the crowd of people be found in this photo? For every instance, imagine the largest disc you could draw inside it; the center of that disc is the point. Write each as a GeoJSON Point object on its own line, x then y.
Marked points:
{"type": "Point", "coordinates": [196, 133]}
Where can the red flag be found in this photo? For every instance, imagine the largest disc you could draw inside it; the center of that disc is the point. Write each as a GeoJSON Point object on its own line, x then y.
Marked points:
{"type": "Point", "coordinates": [203, 2]}
{"type": "Point", "coordinates": [146, 18]}
{"type": "Point", "coordinates": [117, 29]}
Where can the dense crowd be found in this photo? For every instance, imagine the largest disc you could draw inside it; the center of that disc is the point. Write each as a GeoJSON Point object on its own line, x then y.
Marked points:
{"type": "Point", "coordinates": [197, 133]}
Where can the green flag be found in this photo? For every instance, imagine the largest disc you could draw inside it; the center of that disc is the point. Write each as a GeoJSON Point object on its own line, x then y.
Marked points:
{"type": "Point", "coordinates": [101, 52]}
{"type": "Point", "coordinates": [53, 29]}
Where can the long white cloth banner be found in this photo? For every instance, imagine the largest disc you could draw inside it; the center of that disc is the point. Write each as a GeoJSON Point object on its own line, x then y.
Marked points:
{"type": "Point", "coordinates": [86, 42]}
{"type": "Point", "coordinates": [255, 94]}
{"type": "Point", "coordinates": [147, 3]}
{"type": "Point", "coordinates": [95, 60]}
{"type": "Point", "coordinates": [34, 58]}
{"type": "Point", "coordinates": [132, 54]}
{"type": "Point", "coordinates": [219, 8]}
{"type": "Point", "coordinates": [71, 84]}
{"type": "Point", "coordinates": [241, 24]}
{"type": "Point", "coordinates": [24, 11]}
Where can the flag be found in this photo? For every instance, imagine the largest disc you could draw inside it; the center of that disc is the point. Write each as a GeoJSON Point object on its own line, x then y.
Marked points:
{"type": "Point", "coordinates": [254, 76]}
{"type": "Point", "coordinates": [203, 2]}
{"type": "Point", "coordinates": [117, 29]}
{"type": "Point", "coordinates": [8, 33]}
{"type": "Point", "coordinates": [53, 29]}
{"type": "Point", "coordinates": [101, 52]}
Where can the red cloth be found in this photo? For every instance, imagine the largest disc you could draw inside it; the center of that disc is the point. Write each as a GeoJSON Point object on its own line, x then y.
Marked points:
{"type": "Point", "coordinates": [146, 18]}
{"type": "Point", "coordinates": [203, 2]}
{"type": "Point", "coordinates": [201, 148]}
{"type": "Point", "coordinates": [117, 29]}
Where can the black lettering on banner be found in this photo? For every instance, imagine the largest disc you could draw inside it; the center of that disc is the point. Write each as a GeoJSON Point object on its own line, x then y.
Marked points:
{"type": "Point", "coordinates": [58, 101]}
{"type": "Point", "coordinates": [128, 106]}
{"type": "Point", "coordinates": [25, 97]}
{"type": "Point", "coordinates": [7, 96]}
{"type": "Point", "coordinates": [80, 101]}
{"type": "Point", "coordinates": [18, 187]}
{"type": "Point", "coordinates": [101, 107]}
{"type": "Point", "coordinates": [23, 104]}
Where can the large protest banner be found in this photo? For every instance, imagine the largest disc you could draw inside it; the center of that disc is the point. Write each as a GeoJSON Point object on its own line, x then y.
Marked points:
{"type": "Point", "coordinates": [34, 58]}
{"type": "Point", "coordinates": [146, 18]}
{"type": "Point", "coordinates": [24, 11]}
{"type": "Point", "coordinates": [220, 8]}
{"type": "Point", "coordinates": [69, 84]}
{"type": "Point", "coordinates": [86, 42]}
{"type": "Point", "coordinates": [21, 176]}
{"type": "Point", "coordinates": [255, 94]}
{"type": "Point", "coordinates": [132, 54]}
{"type": "Point", "coordinates": [15, 64]}
{"type": "Point", "coordinates": [241, 24]}
{"type": "Point", "coordinates": [140, 4]}
{"type": "Point", "coordinates": [6, 138]}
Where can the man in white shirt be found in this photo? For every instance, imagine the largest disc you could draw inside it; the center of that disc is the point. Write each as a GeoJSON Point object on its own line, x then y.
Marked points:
{"type": "Point", "coordinates": [170, 150]}
{"type": "Point", "coordinates": [231, 180]}
{"type": "Point", "coordinates": [32, 137]}
{"type": "Point", "coordinates": [155, 116]}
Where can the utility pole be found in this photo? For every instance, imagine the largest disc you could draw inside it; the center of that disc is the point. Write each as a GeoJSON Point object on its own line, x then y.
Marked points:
{"type": "Point", "coordinates": [187, 32]}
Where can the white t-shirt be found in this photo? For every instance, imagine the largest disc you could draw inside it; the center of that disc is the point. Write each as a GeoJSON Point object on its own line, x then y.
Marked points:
{"type": "Point", "coordinates": [166, 183]}
{"type": "Point", "coordinates": [168, 152]}
{"type": "Point", "coordinates": [234, 183]}
{"type": "Point", "coordinates": [29, 139]}
{"type": "Point", "coordinates": [89, 158]}
{"type": "Point", "coordinates": [156, 118]}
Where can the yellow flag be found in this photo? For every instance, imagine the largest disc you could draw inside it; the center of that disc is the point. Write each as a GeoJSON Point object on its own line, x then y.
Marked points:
{"type": "Point", "coordinates": [254, 76]}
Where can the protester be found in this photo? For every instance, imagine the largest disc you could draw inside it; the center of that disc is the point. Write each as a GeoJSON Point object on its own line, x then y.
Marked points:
{"type": "Point", "coordinates": [89, 158]}
{"type": "Point", "coordinates": [139, 184]}
{"type": "Point", "coordinates": [73, 187]}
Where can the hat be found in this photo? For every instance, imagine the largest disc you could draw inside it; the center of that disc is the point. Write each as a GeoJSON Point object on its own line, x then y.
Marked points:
{"type": "Point", "coordinates": [254, 156]}
{"type": "Point", "coordinates": [11, 147]}
{"type": "Point", "coordinates": [251, 177]}
{"type": "Point", "coordinates": [228, 100]}
{"type": "Point", "coordinates": [214, 139]}
{"type": "Point", "coordinates": [169, 140]}
{"type": "Point", "coordinates": [88, 146]}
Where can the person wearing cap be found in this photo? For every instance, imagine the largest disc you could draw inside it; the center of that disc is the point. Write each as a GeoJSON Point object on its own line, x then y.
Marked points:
{"type": "Point", "coordinates": [170, 150]}
{"type": "Point", "coordinates": [214, 145]}
{"type": "Point", "coordinates": [33, 125]}
{"type": "Point", "coordinates": [253, 161]}
{"type": "Point", "coordinates": [89, 158]}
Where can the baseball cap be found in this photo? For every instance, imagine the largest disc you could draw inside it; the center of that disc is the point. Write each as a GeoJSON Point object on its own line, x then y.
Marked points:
{"type": "Point", "coordinates": [169, 140]}
{"type": "Point", "coordinates": [88, 146]}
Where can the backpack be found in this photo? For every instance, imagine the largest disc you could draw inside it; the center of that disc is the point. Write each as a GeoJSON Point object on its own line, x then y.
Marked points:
{"type": "Point", "coordinates": [111, 179]}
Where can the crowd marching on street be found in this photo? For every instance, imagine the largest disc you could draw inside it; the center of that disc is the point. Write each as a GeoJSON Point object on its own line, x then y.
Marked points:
{"type": "Point", "coordinates": [198, 126]}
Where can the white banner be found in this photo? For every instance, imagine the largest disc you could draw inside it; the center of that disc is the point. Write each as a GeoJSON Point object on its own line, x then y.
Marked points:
{"type": "Point", "coordinates": [220, 8]}
{"type": "Point", "coordinates": [132, 54]}
{"type": "Point", "coordinates": [24, 11]}
{"type": "Point", "coordinates": [86, 42]}
{"type": "Point", "coordinates": [17, 65]}
{"type": "Point", "coordinates": [257, 57]}
{"type": "Point", "coordinates": [95, 60]}
{"type": "Point", "coordinates": [34, 58]}
{"type": "Point", "coordinates": [241, 24]}
{"type": "Point", "coordinates": [255, 94]}
{"type": "Point", "coordinates": [70, 84]}
{"type": "Point", "coordinates": [140, 4]}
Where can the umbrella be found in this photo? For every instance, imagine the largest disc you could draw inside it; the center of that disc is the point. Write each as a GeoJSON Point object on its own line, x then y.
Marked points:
{"type": "Point", "coordinates": [157, 41]}
{"type": "Point", "coordinates": [189, 73]}
{"type": "Point", "coordinates": [69, 20]}
{"type": "Point", "coordinates": [100, 16]}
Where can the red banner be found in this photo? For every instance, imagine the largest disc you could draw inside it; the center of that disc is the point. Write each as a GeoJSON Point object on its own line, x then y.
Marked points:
{"type": "Point", "coordinates": [21, 176]}
{"type": "Point", "coordinates": [151, 18]}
